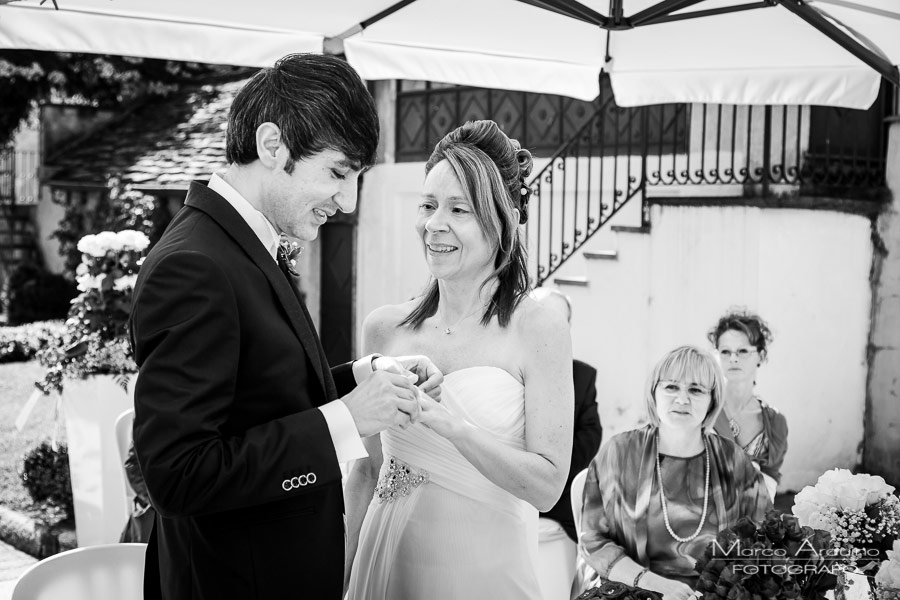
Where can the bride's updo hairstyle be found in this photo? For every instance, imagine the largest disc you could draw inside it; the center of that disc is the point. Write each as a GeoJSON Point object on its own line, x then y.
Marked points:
{"type": "Point", "coordinates": [491, 169]}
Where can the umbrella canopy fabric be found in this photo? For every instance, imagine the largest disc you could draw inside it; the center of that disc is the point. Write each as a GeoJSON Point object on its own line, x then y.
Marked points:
{"type": "Point", "coordinates": [730, 52]}
{"type": "Point", "coordinates": [498, 44]}
{"type": "Point", "coordinates": [733, 52]}
{"type": "Point", "coordinates": [253, 34]}
{"type": "Point", "coordinates": [761, 56]}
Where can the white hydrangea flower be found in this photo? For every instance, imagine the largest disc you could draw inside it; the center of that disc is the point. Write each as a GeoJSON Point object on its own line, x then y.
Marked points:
{"type": "Point", "coordinates": [91, 246]}
{"type": "Point", "coordinates": [109, 240]}
{"type": "Point", "coordinates": [125, 282]}
{"type": "Point", "coordinates": [131, 239]}
{"type": "Point", "coordinates": [88, 282]}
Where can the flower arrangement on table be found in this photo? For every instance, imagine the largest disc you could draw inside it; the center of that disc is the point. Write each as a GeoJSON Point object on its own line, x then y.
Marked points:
{"type": "Point", "coordinates": [618, 591]}
{"type": "Point", "coordinates": [95, 340]}
{"type": "Point", "coordinates": [860, 511]}
{"type": "Point", "coordinates": [775, 559]}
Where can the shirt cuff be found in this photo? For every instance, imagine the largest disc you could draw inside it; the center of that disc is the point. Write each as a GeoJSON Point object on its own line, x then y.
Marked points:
{"type": "Point", "coordinates": [362, 367]}
{"type": "Point", "coordinates": [344, 435]}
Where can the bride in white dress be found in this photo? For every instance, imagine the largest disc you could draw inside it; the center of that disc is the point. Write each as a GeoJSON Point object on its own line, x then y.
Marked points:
{"type": "Point", "coordinates": [447, 508]}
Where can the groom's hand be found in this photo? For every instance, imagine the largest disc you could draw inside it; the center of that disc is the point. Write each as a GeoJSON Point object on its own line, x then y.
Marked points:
{"type": "Point", "coordinates": [428, 376]}
{"type": "Point", "coordinates": [383, 400]}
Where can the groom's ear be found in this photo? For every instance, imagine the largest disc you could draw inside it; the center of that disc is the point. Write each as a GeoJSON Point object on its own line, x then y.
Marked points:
{"type": "Point", "coordinates": [268, 144]}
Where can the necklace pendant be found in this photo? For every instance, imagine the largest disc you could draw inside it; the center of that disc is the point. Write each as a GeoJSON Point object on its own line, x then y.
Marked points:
{"type": "Point", "coordinates": [447, 331]}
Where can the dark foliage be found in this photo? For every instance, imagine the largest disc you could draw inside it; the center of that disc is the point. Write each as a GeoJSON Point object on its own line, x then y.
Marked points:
{"type": "Point", "coordinates": [32, 76]}
{"type": "Point", "coordinates": [33, 294]}
{"type": "Point", "coordinates": [615, 590]}
{"type": "Point", "coordinates": [20, 344]}
{"type": "Point", "coordinates": [45, 474]}
{"type": "Point", "coordinates": [124, 208]}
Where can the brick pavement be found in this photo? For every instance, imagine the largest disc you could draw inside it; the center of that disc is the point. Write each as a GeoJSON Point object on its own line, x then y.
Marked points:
{"type": "Point", "coordinates": [12, 564]}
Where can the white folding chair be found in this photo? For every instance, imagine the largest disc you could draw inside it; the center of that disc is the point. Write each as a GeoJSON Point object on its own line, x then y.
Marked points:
{"type": "Point", "coordinates": [577, 491]}
{"type": "Point", "coordinates": [105, 572]}
{"type": "Point", "coordinates": [123, 442]}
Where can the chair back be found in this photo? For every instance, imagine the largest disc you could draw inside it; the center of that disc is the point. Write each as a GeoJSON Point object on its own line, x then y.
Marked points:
{"type": "Point", "coordinates": [577, 498]}
{"type": "Point", "coordinates": [105, 572]}
{"type": "Point", "coordinates": [124, 423]}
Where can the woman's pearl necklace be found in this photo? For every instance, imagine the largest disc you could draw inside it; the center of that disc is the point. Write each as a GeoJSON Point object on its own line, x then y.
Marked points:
{"type": "Point", "coordinates": [662, 495]}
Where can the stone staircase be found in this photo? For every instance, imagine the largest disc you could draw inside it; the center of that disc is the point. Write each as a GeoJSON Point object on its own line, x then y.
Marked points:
{"type": "Point", "coordinates": [599, 258]}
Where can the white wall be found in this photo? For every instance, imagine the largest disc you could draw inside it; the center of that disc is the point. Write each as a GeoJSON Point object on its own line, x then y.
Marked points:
{"type": "Point", "coordinates": [47, 217]}
{"type": "Point", "coordinates": [390, 266]}
{"type": "Point", "coordinates": [882, 453]}
{"type": "Point", "coordinates": [806, 272]}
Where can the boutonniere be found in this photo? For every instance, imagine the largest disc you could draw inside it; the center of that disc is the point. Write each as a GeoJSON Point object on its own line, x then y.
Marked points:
{"type": "Point", "coordinates": [288, 251]}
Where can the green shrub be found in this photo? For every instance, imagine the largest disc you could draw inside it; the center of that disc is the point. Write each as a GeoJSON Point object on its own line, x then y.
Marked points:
{"type": "Point", "coordinates": [33, 294]}
{"type": "Point", "coordinates": [45, 474]}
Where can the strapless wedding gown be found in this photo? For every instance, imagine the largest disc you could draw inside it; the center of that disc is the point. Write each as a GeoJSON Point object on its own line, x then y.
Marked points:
{"type": "Point", "coordinates": [436, 527]}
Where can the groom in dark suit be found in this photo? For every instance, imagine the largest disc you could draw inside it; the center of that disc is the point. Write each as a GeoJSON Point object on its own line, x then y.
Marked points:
{"type": "Point", "coordinates": [240, 424]}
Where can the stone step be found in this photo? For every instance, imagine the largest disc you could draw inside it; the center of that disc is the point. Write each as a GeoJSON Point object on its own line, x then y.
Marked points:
{"type": "Point", "coordinates": [576, 281]}
{"type": "Point", "coordinates": [601, 255]}
{"type": "Point", "coordinates": [630, 229]}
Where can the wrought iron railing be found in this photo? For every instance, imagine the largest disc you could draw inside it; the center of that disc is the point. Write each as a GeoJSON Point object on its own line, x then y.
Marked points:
{"type": "Point", "coordinates": [7, 175]}
{"type": "Point", "coordinates": [765, 150]}
{"type": "Point", "coordinates": [760, 146]}
{"type": "Point", "coordinates": [591, 177]}
{"type": "Point", "coordinates": [18, 176]}
{"type": "Point", "coordinates": [18, 197]}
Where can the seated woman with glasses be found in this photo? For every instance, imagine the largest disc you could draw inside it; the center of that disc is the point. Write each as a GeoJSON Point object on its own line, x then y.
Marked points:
{"type": "Point", "coordinates": [741, 339]}
{"type": "Point", "coordinates": [656, 496]}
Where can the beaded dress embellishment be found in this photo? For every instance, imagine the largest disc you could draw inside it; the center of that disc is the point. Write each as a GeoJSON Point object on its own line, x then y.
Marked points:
{"type": "Point", "coordinates": [398, 480]}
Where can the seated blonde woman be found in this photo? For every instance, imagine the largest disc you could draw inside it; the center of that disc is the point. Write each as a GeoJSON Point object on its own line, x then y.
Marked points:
{"type": "Point", "coordinates": [656, 496]}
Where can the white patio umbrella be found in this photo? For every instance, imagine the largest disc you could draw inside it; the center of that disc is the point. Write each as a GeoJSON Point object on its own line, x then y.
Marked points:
{"type": "Point", "coordinates": [831, 52]}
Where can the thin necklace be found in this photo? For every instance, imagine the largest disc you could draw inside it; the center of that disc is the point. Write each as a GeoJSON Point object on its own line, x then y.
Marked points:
{"type": "Point", "coordinates": [735, 428]}
{"type": "Point", "coordinates": [449, 328]}
{"type": "Point", "coordinates": [662, 495]}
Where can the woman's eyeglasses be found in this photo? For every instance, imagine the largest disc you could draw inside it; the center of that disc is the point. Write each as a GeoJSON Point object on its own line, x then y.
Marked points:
{"type": "Point", "coordinates": [674, 389]}
{"type": "Point", "coordinates": [741, 353]}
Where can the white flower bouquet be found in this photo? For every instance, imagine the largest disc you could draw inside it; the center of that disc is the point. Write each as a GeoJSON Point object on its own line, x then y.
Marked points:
{"type": "Point", "coordinates": [95, 340]}
{"type": "Point", "coordinates": [887, 581]}
{"type": "Point", "coordinates": [860, 511]}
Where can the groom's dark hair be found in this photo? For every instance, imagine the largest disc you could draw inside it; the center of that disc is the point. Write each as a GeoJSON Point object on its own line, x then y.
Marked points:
{"type": "Point", "coordinates": [319, 102]}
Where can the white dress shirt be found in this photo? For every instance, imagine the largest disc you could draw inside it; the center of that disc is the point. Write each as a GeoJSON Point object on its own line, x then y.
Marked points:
{"type": "Point", "coordinates": [347, 443]}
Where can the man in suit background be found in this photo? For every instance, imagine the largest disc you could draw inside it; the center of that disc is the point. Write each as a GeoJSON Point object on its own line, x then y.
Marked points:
{"type": "Point", "coordinates": [240, 424]}
{"type": "Point", "coordinates": [557, 526]}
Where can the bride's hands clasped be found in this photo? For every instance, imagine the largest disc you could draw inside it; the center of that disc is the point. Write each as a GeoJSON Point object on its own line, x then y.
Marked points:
{"type": "Point", "coordinates": [428, 377]}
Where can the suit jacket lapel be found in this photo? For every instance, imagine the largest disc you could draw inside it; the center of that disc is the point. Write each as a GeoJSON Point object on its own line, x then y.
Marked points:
{"type": "Point", "coordinates": [202, 198]}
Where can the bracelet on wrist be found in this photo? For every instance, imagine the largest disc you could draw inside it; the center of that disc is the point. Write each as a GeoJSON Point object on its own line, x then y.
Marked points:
{"type": "Point", "coordinates": [614, 562]}
{"type": "Point", "coordinates": [638, 577]}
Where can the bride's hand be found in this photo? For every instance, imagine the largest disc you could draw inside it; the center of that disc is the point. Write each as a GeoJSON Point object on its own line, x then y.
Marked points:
{"type": "Point", "coordinates": [436, 417]}
{"type": "Point", "coordinates": [427, 376]}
